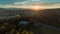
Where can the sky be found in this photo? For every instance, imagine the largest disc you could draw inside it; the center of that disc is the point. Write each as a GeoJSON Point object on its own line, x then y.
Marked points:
{"type": "Point", "coordinates": [27, 3]}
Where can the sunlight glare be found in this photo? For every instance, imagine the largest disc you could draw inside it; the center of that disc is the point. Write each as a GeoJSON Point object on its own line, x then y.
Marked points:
{"type": "Point", "coordinates": [36, 7]}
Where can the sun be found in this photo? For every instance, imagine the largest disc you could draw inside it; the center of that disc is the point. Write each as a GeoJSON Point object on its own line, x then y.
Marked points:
{"type": "Point", "coordinates": [36, 7]}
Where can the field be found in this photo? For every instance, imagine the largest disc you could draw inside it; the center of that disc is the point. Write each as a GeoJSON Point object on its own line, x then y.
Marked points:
{"type": "Point", "coordinates": [49, 19]}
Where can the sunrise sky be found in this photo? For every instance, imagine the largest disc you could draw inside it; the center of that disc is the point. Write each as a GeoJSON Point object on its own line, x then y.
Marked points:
{"type": "Point", "coordinates": [46, 4]}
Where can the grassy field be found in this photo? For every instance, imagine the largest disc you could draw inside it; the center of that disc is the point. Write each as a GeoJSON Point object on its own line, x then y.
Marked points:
{"type": "Point", "coordinates": [47, 30]}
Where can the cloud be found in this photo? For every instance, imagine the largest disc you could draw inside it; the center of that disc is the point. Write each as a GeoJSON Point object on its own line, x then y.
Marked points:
{"type": "Point", "coordinates": [24, 2]}
{"type": "Point", "coordinates": [51, 6]}
{"type": "Point", "coordinates": [34, 0]}
{"type": "Point", "coordinates": [27, 4]}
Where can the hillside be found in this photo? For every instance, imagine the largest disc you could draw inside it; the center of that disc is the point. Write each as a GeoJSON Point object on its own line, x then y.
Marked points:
{"type": "Point", "coordinates": [47, 16]}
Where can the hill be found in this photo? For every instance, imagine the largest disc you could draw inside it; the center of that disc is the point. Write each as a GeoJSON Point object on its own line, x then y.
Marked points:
{"type": "Point", "coordinates": [47, 16]}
